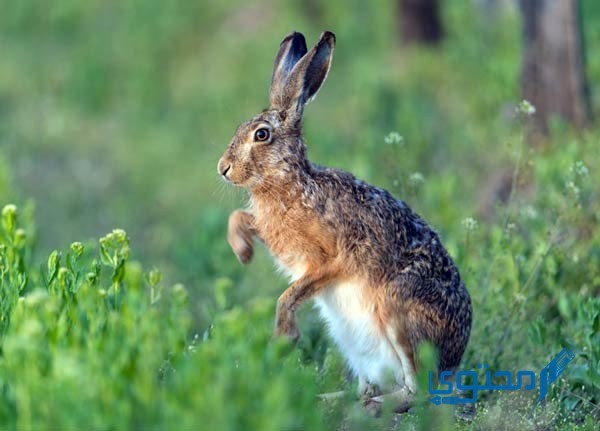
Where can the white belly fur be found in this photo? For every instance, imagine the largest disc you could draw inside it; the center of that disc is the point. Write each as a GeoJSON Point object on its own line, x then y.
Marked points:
{"type": "Point", "coordinates": [350, 317]}
{"type": "Point", "coordinates": [351, 321]}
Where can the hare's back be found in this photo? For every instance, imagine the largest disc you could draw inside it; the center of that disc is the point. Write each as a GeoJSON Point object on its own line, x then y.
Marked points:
{"type": "Point", "coordinates": [372, 224]}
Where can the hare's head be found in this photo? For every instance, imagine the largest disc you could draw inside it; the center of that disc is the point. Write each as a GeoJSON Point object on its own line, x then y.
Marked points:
{"type": "Point", "coordinates": [270, 146]}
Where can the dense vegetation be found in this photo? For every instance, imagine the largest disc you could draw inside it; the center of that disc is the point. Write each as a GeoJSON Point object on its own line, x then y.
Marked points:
{"type": "Point", "coordinates": [115, 113]}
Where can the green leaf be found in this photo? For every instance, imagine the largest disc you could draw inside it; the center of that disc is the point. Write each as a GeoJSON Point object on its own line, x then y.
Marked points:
{"type": "Point", "coordinates": [53, 265]}
{"type": "Point", "coordinates": [119, 272]}
{"type": "Point", "coordinates": [563, 306]}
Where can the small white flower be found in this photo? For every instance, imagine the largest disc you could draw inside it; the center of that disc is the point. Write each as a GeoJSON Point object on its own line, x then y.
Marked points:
{"type": "Point", "coordinates": [393, 138]}
{"type": "Point", "coordinates": [572, 187]}
{"type": "Point", "coordinates": [470, 224]}
{"type": "Point", "coordinates": [529, 212]}
{"type": "Point", "coordinates": [525, 108]}
{"type": "Point", "coordinates": [579, 169]}
{"type": "Point", "coordinates": [416, 179]}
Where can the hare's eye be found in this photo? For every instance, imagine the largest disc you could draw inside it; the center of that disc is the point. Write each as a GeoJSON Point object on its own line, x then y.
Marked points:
{"type": "Point", "coordinates": [262, 134]}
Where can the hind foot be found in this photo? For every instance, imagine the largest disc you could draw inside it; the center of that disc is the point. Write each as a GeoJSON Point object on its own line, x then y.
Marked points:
{"type": "Point", "coordinates": [402, 399]}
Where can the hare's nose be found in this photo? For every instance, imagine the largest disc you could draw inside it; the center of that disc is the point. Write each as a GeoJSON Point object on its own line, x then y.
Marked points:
{"type": "Point", "coordinates": [223, 168]}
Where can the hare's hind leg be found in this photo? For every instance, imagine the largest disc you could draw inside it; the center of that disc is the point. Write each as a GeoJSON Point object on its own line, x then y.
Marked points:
{"type": "Point", "coordinates": [240, 233]}
{"type": "Point", "coordinates": [366, 389]}
{"type": "Point", "coordinates": [402, 400]}
{"type": "Point", "coordinates": [402, 395]}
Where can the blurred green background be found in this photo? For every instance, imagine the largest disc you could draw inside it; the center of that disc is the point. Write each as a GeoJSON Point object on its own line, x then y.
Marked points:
{"type": "Point", "coordinates": [115, 113]}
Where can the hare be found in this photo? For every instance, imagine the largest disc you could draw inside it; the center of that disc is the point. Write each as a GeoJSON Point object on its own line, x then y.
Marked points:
{"type": "Point", "coordinates": [379, 275]}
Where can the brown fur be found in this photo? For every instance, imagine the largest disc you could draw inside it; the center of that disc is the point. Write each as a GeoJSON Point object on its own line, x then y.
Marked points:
{"type": "Point", "coordinates": [333, 227]}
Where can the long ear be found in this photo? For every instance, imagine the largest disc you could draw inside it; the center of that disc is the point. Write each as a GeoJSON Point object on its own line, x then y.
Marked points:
{"type": "Point", "coordinates": [306, 77]}
{"type": "Point", "coordinates": [291, 49]}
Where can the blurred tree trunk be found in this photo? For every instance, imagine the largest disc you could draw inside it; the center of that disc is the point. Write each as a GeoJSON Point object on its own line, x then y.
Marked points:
{"type": "Point", "coordinates": [420, 21]}
{"type": "Point", "coordinates": [553, 73]}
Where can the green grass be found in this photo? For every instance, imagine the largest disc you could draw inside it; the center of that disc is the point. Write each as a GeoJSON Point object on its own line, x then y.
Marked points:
{"type": "Point", "coordinates": [114, 114]}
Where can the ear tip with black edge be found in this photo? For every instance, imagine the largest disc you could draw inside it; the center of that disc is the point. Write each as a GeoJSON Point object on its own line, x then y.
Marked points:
{"type": "Point", "coordinates": [292, 35]}
{"type": "Point", "coordinates": [328, 36]}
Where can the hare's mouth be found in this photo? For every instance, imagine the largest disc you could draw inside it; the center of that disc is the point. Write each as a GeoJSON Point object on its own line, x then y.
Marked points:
{"type": "Point", "coordinates": [233, 176]}
{"type": "Point", "coordinates": [226, 176]}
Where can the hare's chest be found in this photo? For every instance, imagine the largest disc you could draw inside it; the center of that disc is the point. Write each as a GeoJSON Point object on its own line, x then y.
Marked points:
{"type": "Point", "coordinates": [294, 236]}
{"type": "Point", "coordinates": [292, 266]}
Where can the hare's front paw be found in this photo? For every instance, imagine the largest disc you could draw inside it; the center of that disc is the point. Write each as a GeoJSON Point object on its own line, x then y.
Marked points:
{"type": "Point", "coordinates": [288, 329]}
{"type": "Point", "coordinates": [285, 324]}
{"type": "Point", "coordinates": [242, 247]}
{"type": "Point", "coordinates": [239, 235]}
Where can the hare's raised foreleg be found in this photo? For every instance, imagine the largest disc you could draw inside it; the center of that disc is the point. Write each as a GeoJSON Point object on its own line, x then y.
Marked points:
{"type": "Point", "coordinates": [300, 291]}
{"type": "Point", "coordinates": [240, 233]}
